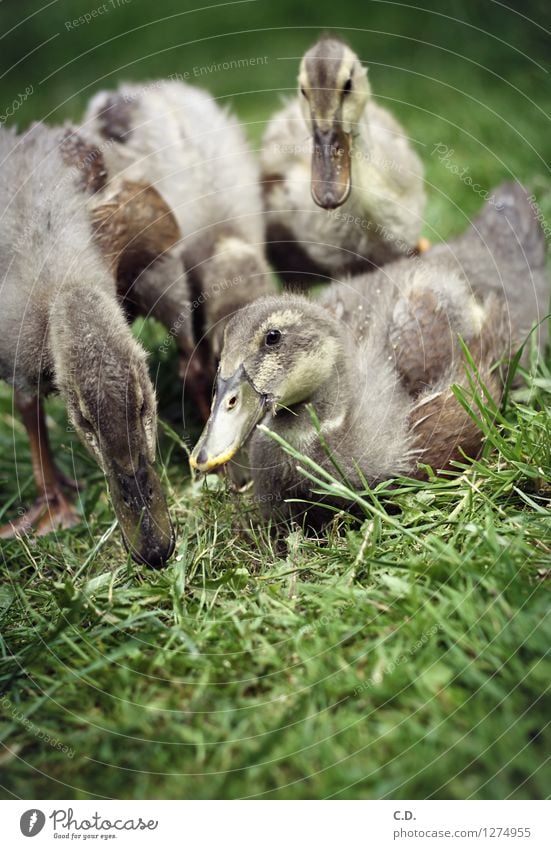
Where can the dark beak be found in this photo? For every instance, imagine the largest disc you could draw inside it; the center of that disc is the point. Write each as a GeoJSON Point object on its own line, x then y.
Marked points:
{"type": "Point", "coordinates": [330, 167]}
{"type": "Point", "coordinates": [141, 509]}
{"type": "Point", "coordinates": [236, 409]}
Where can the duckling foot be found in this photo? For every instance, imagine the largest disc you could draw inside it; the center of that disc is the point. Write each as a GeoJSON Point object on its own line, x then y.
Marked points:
{"type": "Point", "coordinates": [47, 514]}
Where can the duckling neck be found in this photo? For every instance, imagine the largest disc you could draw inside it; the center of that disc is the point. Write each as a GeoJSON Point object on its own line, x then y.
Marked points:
{"type": "Point", "coordinates": [87, 332]}
{"type": "Point", "coordinates": [331, 402]}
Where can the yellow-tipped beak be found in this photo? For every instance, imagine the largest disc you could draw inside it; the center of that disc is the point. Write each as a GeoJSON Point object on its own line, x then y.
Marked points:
{"type": "Point", "coordinates": [236, 409]}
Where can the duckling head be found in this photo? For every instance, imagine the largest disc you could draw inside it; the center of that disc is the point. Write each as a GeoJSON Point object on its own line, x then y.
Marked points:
{"type": "Point", "coordinates": [278, 353]}
{"type": "Point", "coordinates": [333, 93]}
{"type": "Point", "coordinates": [102, 373]}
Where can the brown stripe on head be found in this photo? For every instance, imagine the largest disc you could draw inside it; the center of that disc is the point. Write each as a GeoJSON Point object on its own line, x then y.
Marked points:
{"type": "Point", "coordinates": [114, 119]}
{"type": "Point", "coordinates": [321, 64]}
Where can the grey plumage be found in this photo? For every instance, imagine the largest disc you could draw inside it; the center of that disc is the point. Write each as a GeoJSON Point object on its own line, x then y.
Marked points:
{"type": "Point", "coordinates": [504, 251]}
{"type": "Point", "coordinates": [38, 250]}
{"type": "Point", "coordinates": [195, 153]}
{"type": "Point", "coordinates": [334, 147]}
{"type": "Point", "coordinates": [61, 326]}
{"type": "Point", "coordinates": [376, 357]}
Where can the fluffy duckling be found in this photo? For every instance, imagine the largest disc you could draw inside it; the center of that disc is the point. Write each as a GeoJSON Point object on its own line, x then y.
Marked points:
{"type": "Point", "coordinates": [376, 358]}
{"type": "Point", "coordinates": [343, 187]}
{"type": "Point", "coordinates": [195, 153]}
{"type": "Point", "coordinates": [62, 327]}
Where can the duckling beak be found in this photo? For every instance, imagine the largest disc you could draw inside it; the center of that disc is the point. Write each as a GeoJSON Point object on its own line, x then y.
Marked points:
{"type": "Point", "coordinates": [141, 509]}
{"type": "Point", "coordinates": [330, 167]}
{"type": "Point", "coordinates": [236, 409]}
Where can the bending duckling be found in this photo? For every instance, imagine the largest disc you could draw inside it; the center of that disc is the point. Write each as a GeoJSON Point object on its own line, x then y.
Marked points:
{"type": "Point", "coordinates": [376, 358]}
{"type": "Point", "coordinates": [196, 155]}
{"type": "Point", "coordinates": [62, 328]}
{"type": "Point", "coordinates": [343, 187]}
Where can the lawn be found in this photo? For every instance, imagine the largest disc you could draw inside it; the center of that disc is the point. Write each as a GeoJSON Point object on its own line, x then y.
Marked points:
{"type": "Point", "coordinates": [402, 657]}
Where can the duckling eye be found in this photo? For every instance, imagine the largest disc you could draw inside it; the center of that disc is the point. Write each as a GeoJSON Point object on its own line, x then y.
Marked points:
{"type": "Point", "coordinates": [347, 86]}
{"type": "Point", "coordinates": [272, 337]}
{"type": "Point", "coordinates": [303, 91]}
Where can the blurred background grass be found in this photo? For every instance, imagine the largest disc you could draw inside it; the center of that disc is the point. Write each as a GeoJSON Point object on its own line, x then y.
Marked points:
{"type": "Point", "coordinates": [472, 76]}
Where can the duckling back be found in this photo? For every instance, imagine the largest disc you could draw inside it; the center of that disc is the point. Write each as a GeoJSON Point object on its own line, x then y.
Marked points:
{"type": "Point", "coordinates": [45, 244]}
{"type": "Point", "coordinates": [504, 252]}
{"type": "Point", "coordinates": [488, 287]}
{"type": "Point", "coordinates": [195, 153]}
{"type": "Point", "coordinates": [497, 264]}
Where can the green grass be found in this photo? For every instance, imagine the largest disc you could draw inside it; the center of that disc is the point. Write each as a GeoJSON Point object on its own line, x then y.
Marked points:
{"type": "Point", "coordinates": [402, 657]}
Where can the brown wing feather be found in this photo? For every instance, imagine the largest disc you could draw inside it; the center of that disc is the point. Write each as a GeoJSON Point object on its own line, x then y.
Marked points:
{"type": "Point", "coordinates": [133, 226]}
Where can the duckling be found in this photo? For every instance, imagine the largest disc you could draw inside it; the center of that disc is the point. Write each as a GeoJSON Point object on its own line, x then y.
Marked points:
{"type": "Point", "coordinates": [343, 187]}
{"type": "Point", "coordinates": [195, 153]}
{"type": "Point", "coordinates": [62, 237]}
{"type": "Point", "coordinates": [376, 357]}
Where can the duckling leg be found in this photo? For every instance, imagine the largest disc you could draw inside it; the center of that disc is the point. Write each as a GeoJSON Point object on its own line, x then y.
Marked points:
{"type": "Point", "coordinates": [198, 380]}
{"type": "Point", "coordinates": [162, 291]}
{"type": "Point", "coordinates": [51, 510]}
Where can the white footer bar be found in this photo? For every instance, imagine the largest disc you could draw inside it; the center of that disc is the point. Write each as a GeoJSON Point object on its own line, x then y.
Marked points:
{"type": "Point", "coordinates": [273, 825]}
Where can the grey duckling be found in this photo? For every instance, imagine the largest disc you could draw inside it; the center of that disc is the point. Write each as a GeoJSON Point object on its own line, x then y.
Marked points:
{"type": "Point", "coordinates": [63, 237]}
{"type": "Point", "coordinates": [343, 186]}
{"type": "Point", "coordinates": [376, 357]}
{"type": "Point", "coordinates": [195, 153]}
